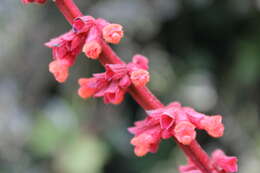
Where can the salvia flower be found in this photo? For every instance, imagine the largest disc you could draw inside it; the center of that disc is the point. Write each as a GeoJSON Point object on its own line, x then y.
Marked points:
{"type": "Point", "coordinates": [113, 33]}
{"type": "Point", "coordinates": [86, 36]}
{"type": "Point", "coordinates": [226, 164]}
{"type": "Point", "coordinates": [112, 84]}
{"type": "Point", "coordinates": [147, 136]}
{"type": "Point", "coordinates": [92, 47]}
{"type": "Point", "coordinates": [65, 49]}
{"type": "Point", "coordinates": [178, 122]}
{"type": "Point", "coordinates": [33, 1]}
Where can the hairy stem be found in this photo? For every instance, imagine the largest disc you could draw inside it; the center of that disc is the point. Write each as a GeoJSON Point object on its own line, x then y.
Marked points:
{"type": "Point", "coordinates": [142, 95]}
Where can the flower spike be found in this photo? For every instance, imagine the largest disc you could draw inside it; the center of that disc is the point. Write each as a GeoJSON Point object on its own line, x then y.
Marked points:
{"type": "Point", "coordinates": [162, 122]}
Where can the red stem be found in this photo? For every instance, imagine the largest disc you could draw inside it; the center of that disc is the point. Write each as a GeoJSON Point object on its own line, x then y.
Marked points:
{"type": "Point", "coordinates": [69, 9]}
{"type": "Point", "coordinates": [142, 95]}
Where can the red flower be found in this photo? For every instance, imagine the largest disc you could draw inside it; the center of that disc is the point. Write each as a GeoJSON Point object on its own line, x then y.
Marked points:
{"type": "Point", "coordinates": [92, 47]}
{"type": "Point", "coordinates": [227, 163]}
{"type": "Point", "coordinates": [60, 70]}
{"type": "Point", "coordinates": [113, 33]}
{"type": "Point", "coordinates": [147, 136]}
{"type": "Point", "coordinates": [65, 48]}
{"type": "Point", "coordinates": [112, 84]}
{"type": "Point", "coordinates": [223, 163]}
{"type": "Point", "coordinates": [140, 77]}
{"type": "Point", "coordinates": [83, 24]}
{"type": "Point", "coordinates": [184, 131]}
{"type": "Point", "coordinates": [86, 35]}
{"type": "Point", "coordinates": [176, 121]}
{"type": "Point", "coordinates": [33, 1]}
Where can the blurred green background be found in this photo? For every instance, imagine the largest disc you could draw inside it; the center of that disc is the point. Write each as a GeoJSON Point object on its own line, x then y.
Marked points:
{"type": "Point", "coordinates": [204, 53]}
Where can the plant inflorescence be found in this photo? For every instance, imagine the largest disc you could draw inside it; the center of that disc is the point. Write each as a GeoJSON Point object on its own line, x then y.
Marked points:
{"type": "Point", "coordinates": [91, 36]}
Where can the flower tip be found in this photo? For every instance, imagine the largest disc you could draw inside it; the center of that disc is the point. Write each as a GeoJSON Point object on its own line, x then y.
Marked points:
{"type": "Point", "coordinates": [141, 144]}
{"type": "Point", "coordinates": [140, 77]}
{"type": "Point", "coordinates": [59, 70]}
{"type": "Point", "coordinates": [113, 98]}
{"type": "Point", "coordinates": [92, 49]}
{"type": "Point", "coordinates": [213, 125]}
{"type": "Point", "coordinates": [113, 33]}
{"type": "Point", "coordinates": [85, 91]}
{"type": "Point", "coordinates": [228, 163]}
{"type": "Point", "coordinates": [141, 60]}
{"type": "Point", "coordinates": [140, 151]}
{"type": "Point", "coordinates": [185, 132]}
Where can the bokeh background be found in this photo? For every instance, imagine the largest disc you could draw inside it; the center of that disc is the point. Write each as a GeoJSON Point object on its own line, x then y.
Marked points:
{"type": "Point", "coordinates": [204, 53]}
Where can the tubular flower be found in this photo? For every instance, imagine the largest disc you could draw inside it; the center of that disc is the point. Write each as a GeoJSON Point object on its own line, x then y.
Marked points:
{"type": "Point", "coordinates": [60, 70]}
{"type": "Point", "coordinates": [112, 84]}
{"type": "Point", "coordinates": [147, 136]}
{"type": "Point", "coordinates": [65, 48]}
{"type": "Point", "coordinates": [140, 77]}
{"type": "Point", "coordinates": [113, 33]}
{"type": "Point", "coordinates": [86, 36]}
{"type": "Point", "coordinates": [33, 1]}
{"type": "Point", "coordinates": [226, 164]}
{"type": "Point", "coordinates": [92, 47]}
{"type": "Point", "coordinates": [178, 122]}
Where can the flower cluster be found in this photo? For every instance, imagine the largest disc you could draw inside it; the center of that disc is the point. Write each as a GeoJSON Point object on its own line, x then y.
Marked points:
{"type": "Point", "coordinates": [172, 121]}
{"type": "Point", "coordinates": [33, 1]}
{"type": "Point", "coordinates": [86, 35]}
{"type": "Point", "coordinates": [220, 161]}
{"type": "Point", "coordinates": [112, 84]}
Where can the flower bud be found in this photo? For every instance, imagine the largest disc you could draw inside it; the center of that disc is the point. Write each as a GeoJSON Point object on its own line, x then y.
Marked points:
{"type": "Point", "coordinates": [92, 49]}
{"type": "Point", "coordinates": [60, 70]}
{"type": "Point", "coordinates": [113, 33]}
{"type": "Point", "coordinates": [228, 163]}
{"type": "Point", "coordinates": [213, 125]}
{"type": "Point", "coordinates": [185, 133]}
{"type": "Point", "coordinates": [140, 77]}
{"type": "Point", "coordinates": [85, 91]}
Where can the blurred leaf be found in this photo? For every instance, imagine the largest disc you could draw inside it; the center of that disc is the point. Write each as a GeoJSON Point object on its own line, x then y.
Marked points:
{"type": "Point", "coordinates": [85, 154]}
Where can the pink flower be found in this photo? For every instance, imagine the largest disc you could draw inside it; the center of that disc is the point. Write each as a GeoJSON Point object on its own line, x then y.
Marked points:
{"type": "Point", "coordinates": [86, 35]}
{"type": "Point", "coordinates": [33, 1]}
{"type": "Point", "coordinates": [113, 33]}
{"type": "Point", "coordinates": [60, 70]}
{"type": "Point", "coordinates": [184, 131]}
{"type": "Point", "coordinates": [112, 84]}
{"type": "Point", "coordinates": [227, 163]}
{"type": "Point", "coordinates": [175, 121]}
{"type": "Point", "coordinates": [88, 88]}
{"type": "Point", "coordinates": [212, 124]}
{"type": "Point", "coordinates": [92, 47]}
{"type": "Point", "coordinates": [65, 48]}
{"type": "Point", "coordinates": [83, 24]}
{"type": "Point", "coordinates": [223, 163]}
{"type": "Point", "coordinates": [147, 136]}
{"type": "Point", "coordinates": [140, 77]}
